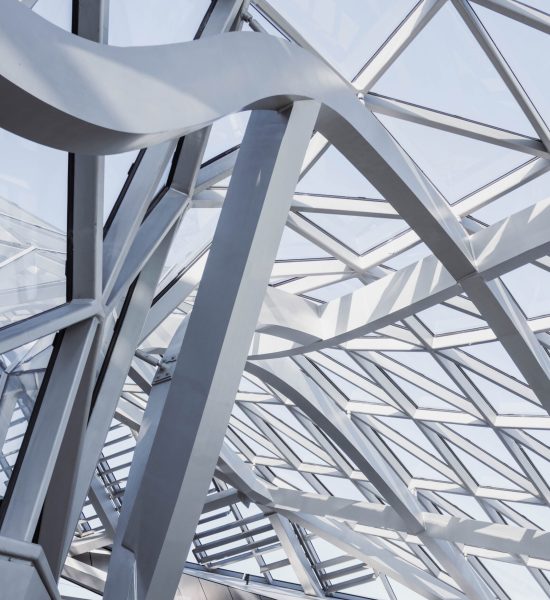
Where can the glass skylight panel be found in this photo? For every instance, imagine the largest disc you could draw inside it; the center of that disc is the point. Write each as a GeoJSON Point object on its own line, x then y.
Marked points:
{"type": "Point", "coordinates": [540, 5]}
{"type": "Point", "coordinates": [408, 257]}
{"type": "Point", "coordinates": [521, 55]}
{"type": "Point", "coordinates": [359, 233]}
{"type": "Point", "coordinates": [442, 319]}
{"type": "Point", "coordinates": [456, 165]}
{"type": "Point", "coordinates": [459, 504]}
{"type": "Point", "coordinates": [424, 363]}
{"type": "Point", "coordinates": [58, 12]}
{"type": "Point", "coordinates": [504, 401]}
{"type": "Point", "coordinates": [193, 237]}
{"type": "Point", "coordinates": [141, 23]}
{"type": "Point", "coordinates": [225, 134]}
{"type": "Point", "coordinates": [334, 174]}
{"type": "Point", "coordinates": [537, 515]}
{"type": "Point", "coordinates": [347, 33]}
{"type": "Point", "coordinates": [336, 290]}
{"type": "Point", "coordinates": [22, 371]}
{"type": "Point", "coordinates": [295, 246]}
{"type": "Point", "coordinates": [373, 589]}
{"type": "Point", "coordinates": [518, 198]}
{"type": "Point", "coordinates": [341, 488]}
{"type": "Point", "coordinates": [493, 354]}
{"type": "Point", "coordinates": [402, 592]}
{"type": "Point", "coordinates": [445, 69]}
{"type": "Point", "coordinates": [530, 286]}
{"type": "Point", "coordinates": [515, 580]}
{"type": "Point", "coordinates": [415, 467]}
{"type": "Point", "coordinates": [420, 397]}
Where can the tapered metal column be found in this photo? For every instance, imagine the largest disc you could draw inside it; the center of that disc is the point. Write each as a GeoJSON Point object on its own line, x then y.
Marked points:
{"type": "Point", "coordinates": [149, 560]}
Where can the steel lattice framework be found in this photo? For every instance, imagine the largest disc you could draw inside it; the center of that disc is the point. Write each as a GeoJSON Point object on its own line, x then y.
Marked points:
{"type": "Point", "coordinates": [298, 419]}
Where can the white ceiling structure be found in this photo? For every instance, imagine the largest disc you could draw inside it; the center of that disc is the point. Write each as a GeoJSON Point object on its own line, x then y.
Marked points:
{"type": "Point", "coordinates": [276, 281]}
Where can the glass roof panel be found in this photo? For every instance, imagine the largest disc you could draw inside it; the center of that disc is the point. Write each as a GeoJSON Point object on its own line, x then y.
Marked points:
{"type": "Point", "coordinates": [294, 246]}
{"type": "Point", "coordinates": [226, 133]}
{"type": "Point", "coordinates": [530, 286]}
{"type": "Point", "coordinates": [142, 23]}
{"type": "Point", "coordinates": [441, 319]}
{"type": "Point", "coordinates": [444, 68]}
{"type": "Point", "coordinates": [359, 233]}
{"type": "Point", "coordinates": [333, 174]}
{"type": "Point", "coordinates": [457, 165]}
{"type": "Point", "coordinates": [517, 199]}
{"type": "Point", "coordinates": [346, 33]}
{"type": "Point", "coordinates": [516, 580]}
{"type": "Point", "coordinates": [373, 589]}
{"type": "Point", "coordinates": [58, 12]}
{"type": "Point", "coordinates": [192, 238]}
{"type": "Point", "coordinates": [521, 46]}
{"type": "Point", "coordinates": [504, 401]}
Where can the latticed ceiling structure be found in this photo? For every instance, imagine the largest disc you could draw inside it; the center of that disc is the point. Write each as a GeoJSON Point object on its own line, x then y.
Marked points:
{"type": "Point", "coordinates": [274, 299]}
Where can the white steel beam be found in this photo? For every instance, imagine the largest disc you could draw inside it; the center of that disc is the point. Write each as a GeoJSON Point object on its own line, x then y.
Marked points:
{"type": "Point", "coordinates": [258, 201]}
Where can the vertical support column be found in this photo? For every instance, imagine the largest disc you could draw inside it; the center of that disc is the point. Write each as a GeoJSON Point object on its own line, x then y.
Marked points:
{"type": "Point", "coordinates": [85, 227]}
{"type": "Point", "coordinates": [167, 502]}
{"type": "Point", "coordinates": [86, 173]}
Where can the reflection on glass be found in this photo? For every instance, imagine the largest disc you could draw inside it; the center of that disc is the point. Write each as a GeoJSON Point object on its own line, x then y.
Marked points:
{"type": "Point", "coordinates": [33, 216]}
